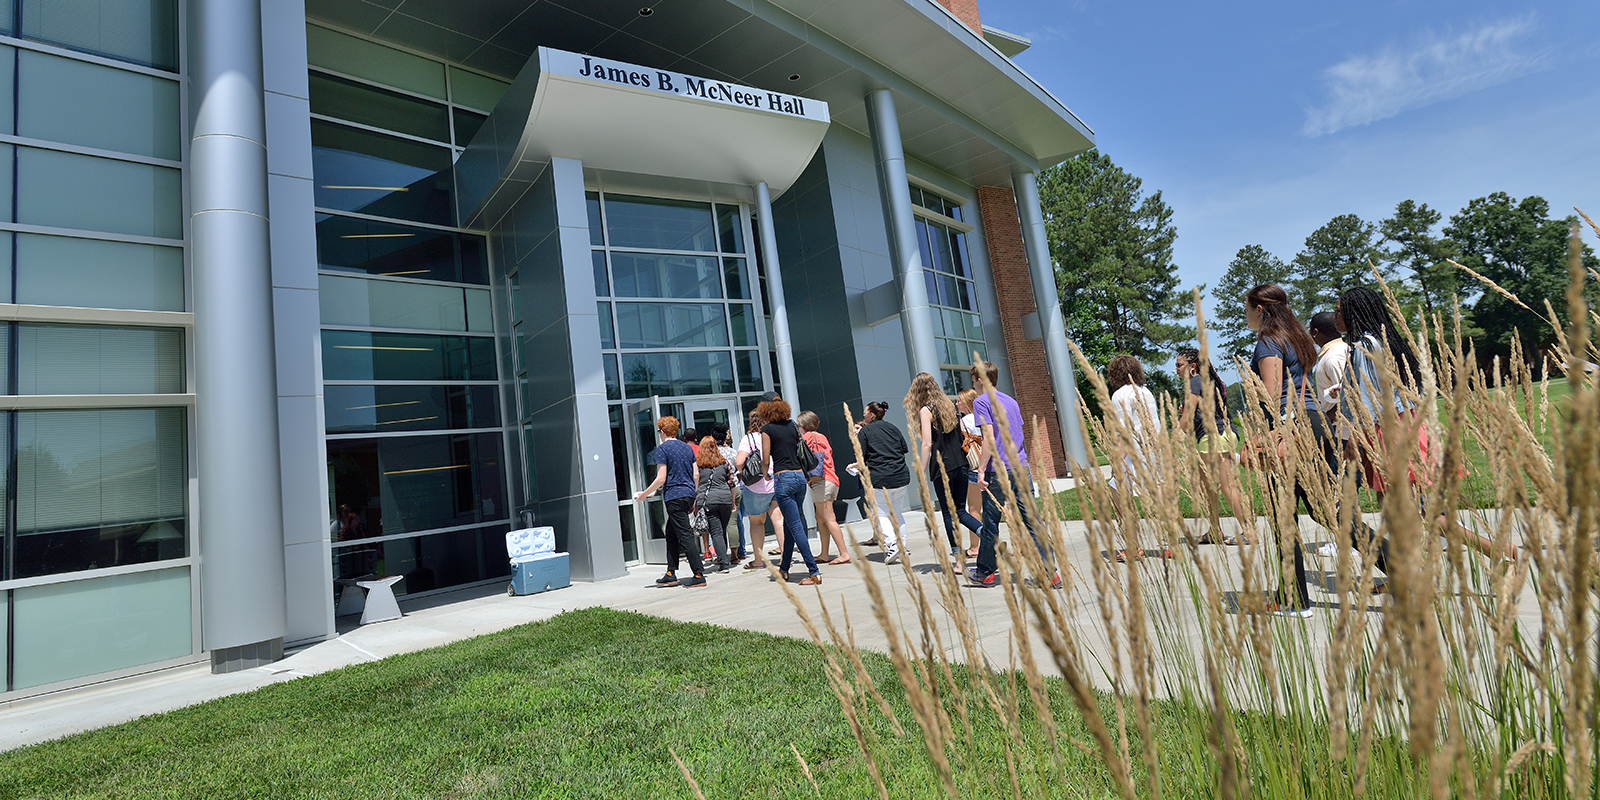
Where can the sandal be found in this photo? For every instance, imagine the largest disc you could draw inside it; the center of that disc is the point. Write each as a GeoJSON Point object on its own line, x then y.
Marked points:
{"type": "Point", "coordinates": [1235, 541]}
{"type": "Point", "coordinates": [774, 552]}
{"type": "Point", "coordinates": [972, 552]}
{"type": "Point", "coordinates": [1122, 555]}
{"type": "Point", "coordinates": [840, 560]}
{"type": "Point", "coordinates": [873, 542]}
{"type": "Point", "coordinates": [811, 580]}
{"type": "Point", "coordinates": [755, 564]}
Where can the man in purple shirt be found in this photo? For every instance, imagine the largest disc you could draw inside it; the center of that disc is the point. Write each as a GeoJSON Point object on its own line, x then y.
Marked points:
{"type": "Point", "coordinates": [989, 414]}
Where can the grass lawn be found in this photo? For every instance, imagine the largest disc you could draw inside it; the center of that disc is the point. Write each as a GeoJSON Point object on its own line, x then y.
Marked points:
{"type": "Point", "coordinates": [582, 705]}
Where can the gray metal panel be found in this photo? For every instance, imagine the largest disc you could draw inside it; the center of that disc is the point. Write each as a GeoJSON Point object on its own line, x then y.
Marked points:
{"type": "Point", "coordinates": [240, 513]}
{"type": "Point", "coordinates": [1042, 270]}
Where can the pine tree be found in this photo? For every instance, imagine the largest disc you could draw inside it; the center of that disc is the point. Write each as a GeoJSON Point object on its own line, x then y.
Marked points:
{"type": "Point", "coordinates": [1112, 248]}
{"type": "Point", "coordinates": [1335, 258]}
{"type": "Point", "coordinates": [1409, 233]}
{"type": "Point", "coordinates": [1250, 267]}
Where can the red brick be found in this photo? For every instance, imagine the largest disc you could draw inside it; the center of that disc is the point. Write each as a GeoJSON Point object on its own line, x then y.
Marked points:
{"type": "Point", "coordinates": [966, 11]}
{"type": "Point", "coordinates": [1008, 263]}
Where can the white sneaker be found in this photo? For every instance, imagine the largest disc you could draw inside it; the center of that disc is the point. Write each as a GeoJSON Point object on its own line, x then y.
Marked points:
{"type": "Point", "coordinates": [1327, 549]}
{"type": "Point", "coordinates": [1285, 611]}
{"type": "Point", "coordinates": [893, 556]}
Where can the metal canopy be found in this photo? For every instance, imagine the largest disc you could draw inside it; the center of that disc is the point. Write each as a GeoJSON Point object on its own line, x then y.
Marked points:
{"type": "Point", "coordinates": [622, 117]}
{"type": "Point", "coordinates": [963, 106]}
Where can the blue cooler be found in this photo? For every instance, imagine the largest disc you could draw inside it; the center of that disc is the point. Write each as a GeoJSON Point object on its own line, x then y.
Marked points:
{"type": "Point", "coordinates": [535, 564]}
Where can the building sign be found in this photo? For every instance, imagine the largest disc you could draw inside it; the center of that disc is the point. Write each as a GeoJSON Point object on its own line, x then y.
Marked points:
{"type": "Point", "coordinates": [649, 79]}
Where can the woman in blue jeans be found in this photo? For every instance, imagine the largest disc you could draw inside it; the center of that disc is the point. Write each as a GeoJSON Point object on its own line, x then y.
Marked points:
{"type": "Point", "coordinates": [780, 443]}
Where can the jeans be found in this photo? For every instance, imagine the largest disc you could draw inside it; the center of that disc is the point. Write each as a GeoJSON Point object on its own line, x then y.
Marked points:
{"type": "Point", "coordinates": [680, 536]}
{"type": "Point", "coordinates": [989, 534]}
{"type": "Point", "coordinates": [790, 492]}
{"type": "Point", "coordinates": [955, 481]}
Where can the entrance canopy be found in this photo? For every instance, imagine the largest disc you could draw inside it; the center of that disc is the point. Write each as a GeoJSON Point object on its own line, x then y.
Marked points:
{"type": "Point", "coordinates": [623, 117]}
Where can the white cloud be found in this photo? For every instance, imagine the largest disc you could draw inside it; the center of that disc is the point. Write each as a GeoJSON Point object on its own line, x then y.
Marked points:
{"type": "Point", "coordinates": [1367, 88]}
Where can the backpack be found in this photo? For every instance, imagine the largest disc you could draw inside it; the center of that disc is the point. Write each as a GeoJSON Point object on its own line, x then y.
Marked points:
{"type": "Point", "coordinates": [809, 463]}
{"type": "Point", "coordinates": [751, 473]}
{"type": "Point", "coordinates": [817, 471]}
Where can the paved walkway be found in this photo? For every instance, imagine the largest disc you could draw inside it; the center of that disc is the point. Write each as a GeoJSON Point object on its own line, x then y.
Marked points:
{"type": "Point", "coordinates": [745, 600]}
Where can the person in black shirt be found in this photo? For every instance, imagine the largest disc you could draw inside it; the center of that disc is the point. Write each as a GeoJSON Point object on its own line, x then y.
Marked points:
{"type": "Point", "coordinates": [780, 442]}
{"type": "Point", "coordinates": [884, 451]}
{"type": "Point", "coordinates": [940, 434]}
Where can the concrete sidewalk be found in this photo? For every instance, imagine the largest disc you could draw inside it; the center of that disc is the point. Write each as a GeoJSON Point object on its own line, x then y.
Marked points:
{"type": "Point", "coordinates": [737, 599]}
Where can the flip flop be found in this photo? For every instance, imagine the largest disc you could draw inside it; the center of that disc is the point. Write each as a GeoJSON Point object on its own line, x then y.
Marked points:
{"type": "Point", "coordinates": [774, 552]}
{"type": "Point", "coordinates": [840, 560]}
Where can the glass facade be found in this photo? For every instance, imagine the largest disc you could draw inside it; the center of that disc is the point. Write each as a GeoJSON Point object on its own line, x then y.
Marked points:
{"type": "Point", "coordinates": [416, 440]}
{"type": "Point", "coordinates": [95, 554]}
{"type": "Point", "coordinates": [957, 326]}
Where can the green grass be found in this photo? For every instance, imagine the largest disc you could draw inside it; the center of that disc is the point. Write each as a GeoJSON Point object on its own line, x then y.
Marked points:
{"type": "Point", "coordinates": [583, 705]}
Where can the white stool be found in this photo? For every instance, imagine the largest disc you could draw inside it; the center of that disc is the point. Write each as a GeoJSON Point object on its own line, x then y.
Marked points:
{"type": "Point", "coordinates": [381, 605]}
{"type": "Point", "coordinates": [353, 600]}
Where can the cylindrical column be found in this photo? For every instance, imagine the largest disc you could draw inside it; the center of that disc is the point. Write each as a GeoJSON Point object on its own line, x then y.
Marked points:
{"type": "Point", "coordinates": [240, 517]}
{"type": "Point", "coordinates": [1062, 379]}
{"type": "Point", "coordinates": [779, 311]}
{"type": "Point", "coordinates": [916, 318]}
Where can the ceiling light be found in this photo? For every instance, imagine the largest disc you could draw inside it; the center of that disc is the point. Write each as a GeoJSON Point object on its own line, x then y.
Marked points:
{"type": "Point", "coordinates": [374, 347]}
{"type": "Point", "coordinates": [794, 77]}
{"type": "Point", "coordinates": [408, 272]}
{"type": "Point", "coordinates": [646, 11]}
{"type": "Point", "coordinates": [373, 235]}
{"type": "Point", "coordinates": [371, 188]}
{"type": "Point", "coordinates": [413, 419]}
{"type": "Point", "coordinates": [385, 405]}
{"type": "Point", "coordinates": [425, 469]}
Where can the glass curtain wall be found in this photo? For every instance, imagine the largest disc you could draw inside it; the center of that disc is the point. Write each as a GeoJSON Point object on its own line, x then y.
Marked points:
{"type": "Point", "coordinates": [678, 311]}
{"type": "Point", "coordinates": [957, 326]}
{"type": "Point", "coordinates": [95, 567]}
{"type": "Point", "coordinates": [415, 434]}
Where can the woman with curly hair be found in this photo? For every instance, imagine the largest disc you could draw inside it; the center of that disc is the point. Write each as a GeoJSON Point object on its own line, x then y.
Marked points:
{"type": "Point", "coordinates": [930, 409]}
{"type": "Point", "coordinates": [780, 454]}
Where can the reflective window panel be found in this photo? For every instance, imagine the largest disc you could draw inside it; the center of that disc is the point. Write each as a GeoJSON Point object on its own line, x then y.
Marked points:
{"type": "Point", "coordinates": [369, 173]}
{"type": "Point", "coordinates": [348, 244]}
{"type": "Point", "coordinates": [743, 318]}
{"type": "Point", "coordinates": [467, 125]}
{"type": "Point", "coordinates": [730, 229]}
{"type": "Point", "coordinates": [371, 303]}
{"type": "Point", "coordinates": [474, 90]}
{"type": "Point", "coordinates": [749, 362]}
{"type": "Point", "coordinates": [650, 275]}
{"type": "Point", "coordinates": [129, 198]}
{"type": "Point", "coordinates": [141, 31]}
{"type": "Point", "coordinates": [369, 105]}
{"type": "Point", "coordinates": [602, 284]}
{"type": "Point", "coordinates": [677, 374]}
{"type": "Point", "coordinates": [426, 563]}
{"type": "Point", "coordinates": [608, 341]}
{"type": "Point", "coordinates": [100, 488]}
{"type": "Point", "coordinates": [380, 409]}
{"type": "Point", "coordinates": [361, 58]}
{"type": "Point", "coordinates": [88, 359]}
{"type": "Point", "coordinates": [597, 232]}
{"type": "Point", "coordinates": [655, 325]}
{"type": "Point", "coordinates": [70, 630]}
{"type": "Point", "coordinates": [736, 276]}
{"type": "Point", "coordinates": [90, 273]}
{"type": "Point", "coordinates": [653, 223]}
{"type": "Point", "coordinates": [363, 356]}
{"type": "Point", "coordinates": [75, 102]}
{"type": "Point", "coordinates": [388, 485]}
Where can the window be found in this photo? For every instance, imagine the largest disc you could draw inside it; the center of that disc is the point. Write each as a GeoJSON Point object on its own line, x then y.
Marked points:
{"type": "Point", "coordinates": [952, 290]}
{"type": "Point", "coordinates": [139, 31]}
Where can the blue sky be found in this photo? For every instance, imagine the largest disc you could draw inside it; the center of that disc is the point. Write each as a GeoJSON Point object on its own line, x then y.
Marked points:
{"type": "Point", "coordinates": [1259, 122]}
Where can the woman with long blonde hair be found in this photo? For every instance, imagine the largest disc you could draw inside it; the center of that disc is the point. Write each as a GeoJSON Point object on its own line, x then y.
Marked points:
{"type": "Point", "coordinates": [929, 408]}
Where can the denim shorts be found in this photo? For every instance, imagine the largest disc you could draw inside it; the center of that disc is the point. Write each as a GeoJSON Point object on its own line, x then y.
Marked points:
{"type": "Point", "coordinates": [754, 504]}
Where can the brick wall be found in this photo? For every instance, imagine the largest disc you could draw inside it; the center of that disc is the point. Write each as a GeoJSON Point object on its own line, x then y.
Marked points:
{"type": "Point", "coordinates": [966, 11]}
{"type": "Point", "coordinates": [1008, 261]}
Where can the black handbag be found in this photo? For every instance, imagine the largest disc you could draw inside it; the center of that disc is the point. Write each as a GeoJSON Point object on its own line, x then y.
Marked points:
{"type": "Point", "coordinates": [751, 473]}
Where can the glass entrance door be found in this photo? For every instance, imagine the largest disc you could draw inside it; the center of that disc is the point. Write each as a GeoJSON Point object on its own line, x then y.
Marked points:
{"type": "Point", "coordinates": [703, 414]}
{"type": "Point", "coordinates": [649, 517]}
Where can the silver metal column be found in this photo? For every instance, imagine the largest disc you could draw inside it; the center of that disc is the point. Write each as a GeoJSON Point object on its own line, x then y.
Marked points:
{"type": "Point", "coordinates": [916, 319]}
{"type": "Point", "coordinates": [240, 516]}
{"type": "Point", "coordinates": [1062, 379]}
{"type": "Point", "coordinates": [779, 310]}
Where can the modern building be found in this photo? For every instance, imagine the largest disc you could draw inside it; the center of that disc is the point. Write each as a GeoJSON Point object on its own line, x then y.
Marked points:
{"type": "Point", "coordinates": [303, 291]}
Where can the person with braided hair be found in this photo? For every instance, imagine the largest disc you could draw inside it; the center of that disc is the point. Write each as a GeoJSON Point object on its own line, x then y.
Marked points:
{"type": "Point", "coordinates": [1362, 314]}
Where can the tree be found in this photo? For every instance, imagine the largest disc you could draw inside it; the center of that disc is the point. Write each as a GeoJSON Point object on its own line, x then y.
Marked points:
{"type": "Point", "coordinates": [1334, 259]}
{"type": "Point", "coordinates": [1112, 250]}
{"type": "Point", "coordinates": [1519, 247]}
{"type": "Point", "coordinates": [1436, 284]}
{"type": "Point", "coordinates": [1250, 267]}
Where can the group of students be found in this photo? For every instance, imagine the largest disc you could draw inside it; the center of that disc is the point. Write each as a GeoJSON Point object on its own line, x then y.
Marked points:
{"type": "Point", "coordinates": [704, 479]}
{"type": "Point", "coordinates": [1330, 375]}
